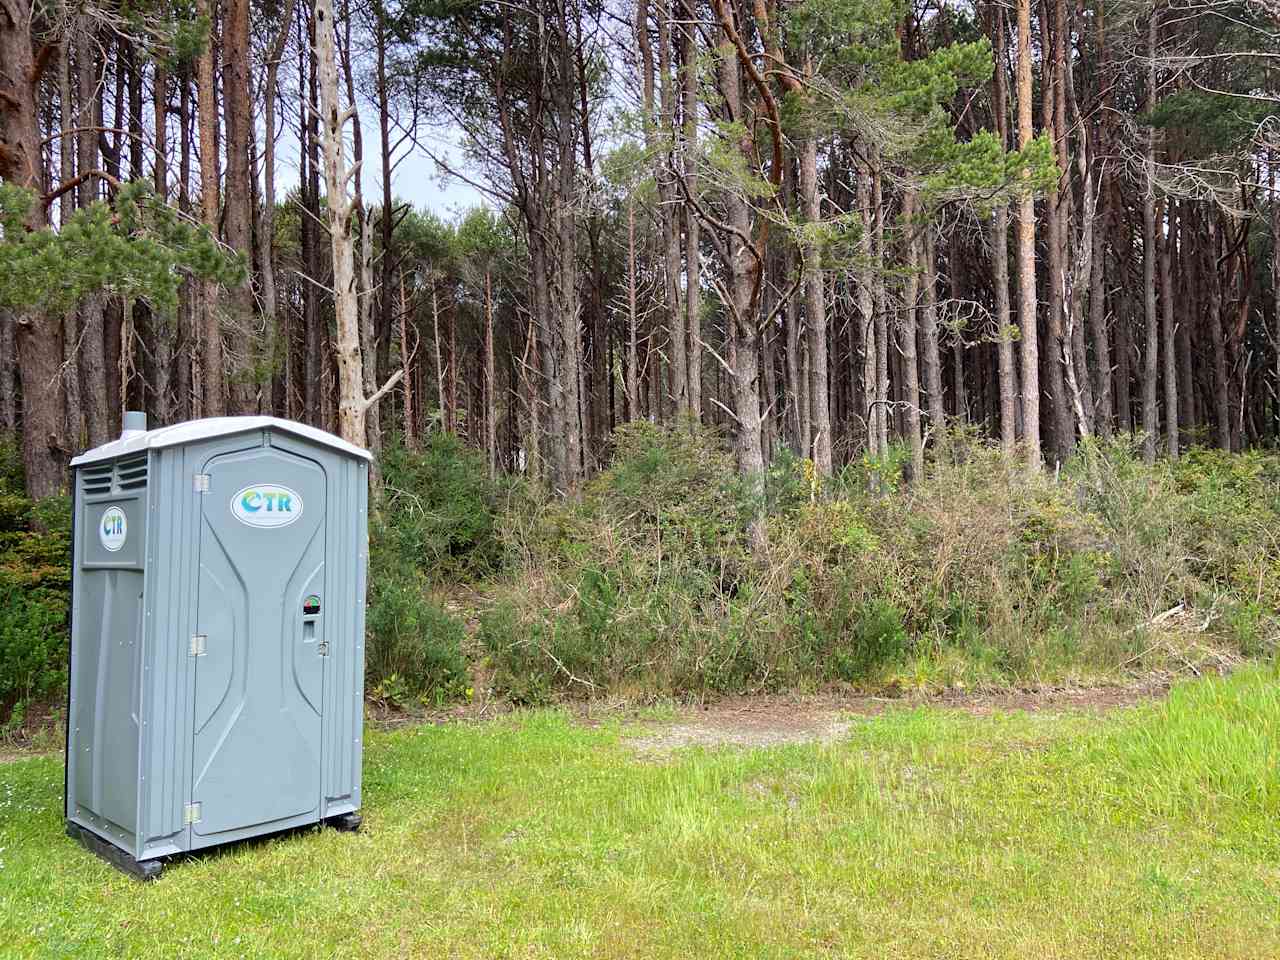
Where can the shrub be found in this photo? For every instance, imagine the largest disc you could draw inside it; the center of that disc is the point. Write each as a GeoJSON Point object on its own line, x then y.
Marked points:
{"type": "Point", "coordinates": [433, 523]}
{"type": "Point", "coordinates": [414, 651]}
{"type": "Point", "coordinates": [437, 510]}
{"type": "Point", "coordinates": [975, 573]}
{"type": "Point", "coordinates": [33, 646]}
{"type": "Point", "coordinates": [35, 583]}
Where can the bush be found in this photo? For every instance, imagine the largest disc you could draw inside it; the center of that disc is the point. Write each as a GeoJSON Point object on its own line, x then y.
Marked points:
{"type": "Point", "coordinates": [977, 573]}
{"type": "Point", "coordinates": [434, 523]}
{"type": "Point", "coordinates": [33, 647]}
{"type": "Point", "coordinates": [414, 652]}
{"type": "Point", "coordinates": [438, 509]}
{"type": "Point", "coordinates": [35, 585]}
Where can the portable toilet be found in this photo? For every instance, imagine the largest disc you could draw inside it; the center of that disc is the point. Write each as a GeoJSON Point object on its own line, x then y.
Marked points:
{"type": "Point", "coordinates": [217, 636]}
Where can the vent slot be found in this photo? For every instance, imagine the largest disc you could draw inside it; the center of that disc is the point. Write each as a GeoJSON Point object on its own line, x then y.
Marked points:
{"type": "Point", "coordinates": [94, 480]}
{"type": "Point", "coordinates": [131, 474]}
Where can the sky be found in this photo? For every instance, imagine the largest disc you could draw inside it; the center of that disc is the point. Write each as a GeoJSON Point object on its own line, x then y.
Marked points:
{"type": "Point", "coordinates": [416, 179]}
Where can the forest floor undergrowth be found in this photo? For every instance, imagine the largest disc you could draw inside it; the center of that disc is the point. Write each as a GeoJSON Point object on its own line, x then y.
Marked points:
{"type": "Point", "coordinates": [1068, 823]}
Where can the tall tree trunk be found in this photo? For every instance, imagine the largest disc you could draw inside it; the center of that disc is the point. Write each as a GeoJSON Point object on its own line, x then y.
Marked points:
{"type": "Point", "coordinates": [633, 370]}
{"type": "Point", "coordinates": [692, 226]}
{"type": "Point", "coordinates": [1057, 225]}
{"type": "Point", "coordinates": [666, 167]}
{"type": "Point", "coordinates": [1221, 401]}
{"type": "Point", "coordinates": [744, 288]}
{"type": "Point", "coordinates": [410, 427]}
{"type": "Point", "coordinates": [490, 372]}
{"type": "Point", "coordinates": [211, 363]}
{"type": "Point", "coordinates": [929, 329]}
{"type": "Point", "coordinates": [74, 413]}
{"type": "Point", "coordinates": [815, 309]}
{"type": "Point", "coordinates": [1150, 411]}
{"type": "Point", "coordinates": [872, 411]}
{"type": "Point", "coordinates": [442, 399]}
{"type": "Point", "coordinates": [566, 392]}
{"type": "Point", "coordinates": [1008, 375]}
{"type": "Point", "coordinates": [163, 329]}
{"type": "Point", "coordinates": [93, 374]}
{"type": "Point", "coordinates": [39, 345]}
{"type": "Point", "coordinates": [907, 333]}
{"type": "Point", "coordinates": [267, 223]}
{"type": "Point", "coordinates": [1167, 241]}
{"type": "Point", "coordinates": [339, 209]}
{"type": "Point", "coordinates": [238, 212]}
{"type": "Point", "coordinates": [1026, 231]}
{"type": "Point", "coordinates": [186, 384]}
{"type": "Point", "coordinates": [8, 375]}
{"type": "Point", "coordinates": [1098, 333]}
{"type": "Point", "coordinates": [1275, 292]}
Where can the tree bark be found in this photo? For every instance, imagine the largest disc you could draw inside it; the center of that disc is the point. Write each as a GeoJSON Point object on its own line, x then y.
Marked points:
{"type": "Point", "coordinates": [238, 213]}
{"type": "Point", "coordinates": [872, 411]}
{"type": "Point", "coordinates": [490, 372]}
{"type": "Point", "coordinates": [38, 343]}
{"type": "Point", "coordinates": [665, 172]}
{"type": "Point", "coordinates": [1221, 401]}
{"type": "Point", "coordinates": [339, 209]}
{"type": "Point", "coordinates": [1006, 372]}
{"type": "Point", "coordinates": [743, 285]}
{"type": "Point", "coordinates": [633, 323]}
{"type": "Point", "coordinates": [692, 226]}
{"type": "Point", "coordinates": [74, 413]}
{"type": "Point", "coordinates": [1150, 411]}
{"type": "Point", "coordinates": [1167, 240]}
{"type": "Point", "coordinates": [929, 330]}
{"type": "Point", "coordinates": [1026, 232]}
{"type": "Point", "coordinates": [815, 309]}
{"type": "Point", "coordinates": [93, 374]}
{"type": "Point", "coordinates": [1057, 227]}
{"type": "Point", "coordinates": [907, 333]}
{"type": "Point", "coordinates": [267, 223]}
{"type": "Point", "coordinates": [211, 362]}
{"type": "Point", "coordinates": [8, 378]}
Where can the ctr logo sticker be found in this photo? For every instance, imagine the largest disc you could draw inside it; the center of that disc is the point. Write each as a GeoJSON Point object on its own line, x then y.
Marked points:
{"type": "Point", "coordinates": [266, 505]}
{"type": "Point", "coordinates": [113, 529]}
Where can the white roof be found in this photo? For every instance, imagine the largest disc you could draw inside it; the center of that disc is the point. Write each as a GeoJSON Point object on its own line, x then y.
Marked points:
{"type": "Point", "coordinates": [193, 430]}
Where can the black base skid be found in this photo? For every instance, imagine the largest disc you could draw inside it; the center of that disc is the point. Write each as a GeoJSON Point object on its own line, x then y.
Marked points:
{"type": "Point", "coordinates": [346, 822]}
{"type": "Point", "coordinates": [150, 869]}
{"type": "Point", "coordinates": [139, 869]}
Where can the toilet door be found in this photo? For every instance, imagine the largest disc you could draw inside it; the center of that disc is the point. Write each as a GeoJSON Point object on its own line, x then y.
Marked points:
{"type": "Point", "coordinates": [260, 647]}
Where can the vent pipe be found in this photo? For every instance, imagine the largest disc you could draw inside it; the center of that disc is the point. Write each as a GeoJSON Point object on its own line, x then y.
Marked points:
{"type": "Point", "coordinates": [134, 424]}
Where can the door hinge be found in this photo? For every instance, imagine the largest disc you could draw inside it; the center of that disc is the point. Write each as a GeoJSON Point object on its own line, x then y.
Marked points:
{"type": "Point", "coordinates": [322, 648]}
{"type": "Point", "coordinates": [191, 813]}
{"type": "Point", "coordinates": [199, 644]}
{"type": "Point", "coordinates": [200, 483]}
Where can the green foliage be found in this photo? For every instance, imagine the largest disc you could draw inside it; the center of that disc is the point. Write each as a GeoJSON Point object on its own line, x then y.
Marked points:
{"type": "Point", "coordinates": [434, 523]}
{"type": "Point", "coordinates": [1208, 123]}
{"type": "Point", "coordinates": [35, 582]}
{"type": "Point", "coordinates": [438, 509]}
{"type": "Point", "coordinates": [139, 247]}
{"type": "Point", "coordinates": [980, 166]}
{"type": "Point", "coordinates": [975, 575]}
{"type": "Point", "coordinates": [414, 650]}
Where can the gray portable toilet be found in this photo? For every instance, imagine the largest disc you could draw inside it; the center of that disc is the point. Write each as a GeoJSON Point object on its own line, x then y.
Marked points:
{"type": "Point", "coordinates": [217, 636]}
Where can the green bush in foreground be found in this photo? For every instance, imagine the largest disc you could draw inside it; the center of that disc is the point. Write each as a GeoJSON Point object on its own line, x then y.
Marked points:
{"type": "Point", "coordinates": [35, 580]}
{"type": "Point", "coordinates": [434, 523]}
{"type": "Point", "coordinates": [977, 575]}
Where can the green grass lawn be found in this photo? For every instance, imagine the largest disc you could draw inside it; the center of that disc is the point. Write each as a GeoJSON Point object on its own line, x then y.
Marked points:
{"type": "Point", "coordinates": [1149, 832]}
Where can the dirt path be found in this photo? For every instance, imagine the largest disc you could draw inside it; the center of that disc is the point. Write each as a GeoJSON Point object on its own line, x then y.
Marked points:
{"type": "Point", "coordinates": [761, 720]}
{"type": "Point", "coordinates": [764, 721]}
